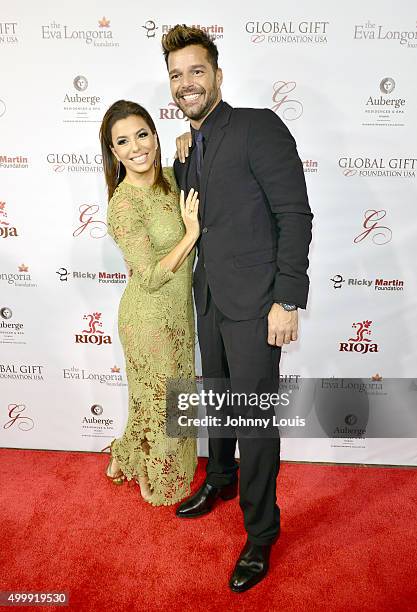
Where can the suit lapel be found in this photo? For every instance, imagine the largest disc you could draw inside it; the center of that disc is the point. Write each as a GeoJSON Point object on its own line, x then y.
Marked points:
{"type": "Point", "coordinates": [216, 137]}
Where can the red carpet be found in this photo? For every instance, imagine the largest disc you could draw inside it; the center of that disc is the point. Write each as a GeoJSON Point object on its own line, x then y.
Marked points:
{"type": "Point", "coordinates": [348, 540]}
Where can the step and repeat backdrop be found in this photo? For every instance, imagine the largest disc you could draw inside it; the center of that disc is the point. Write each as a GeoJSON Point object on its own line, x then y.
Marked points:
{"type": "Point", "coordinates": [342, 79]}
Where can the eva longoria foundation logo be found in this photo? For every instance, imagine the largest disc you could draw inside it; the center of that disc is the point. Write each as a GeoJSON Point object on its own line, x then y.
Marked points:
{"type": "Point", "coordinates": [371, 31]}
{"type": "Point", "coordinates": [93, 333]}
{"type": "Point", "coordinates": [111, 378]}
{"type": "Point", "coordinates": [287, 32]}
{"type": "Point", "coordinates": [360, 343]}
{"type": "Point", "coordinates": [19, 278]}
{"type": "Point", "coordinates": [99, 35]}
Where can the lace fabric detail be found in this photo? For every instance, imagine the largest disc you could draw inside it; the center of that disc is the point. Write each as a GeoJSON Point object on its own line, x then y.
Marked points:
{"type": "Point", "coordinates": [156, 329]}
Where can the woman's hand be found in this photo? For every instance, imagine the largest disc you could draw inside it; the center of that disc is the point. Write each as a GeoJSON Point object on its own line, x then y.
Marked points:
{"type": "Point", "coordinates": [189, 213]}
{"type": "Point", "coordinates": [183, 143]}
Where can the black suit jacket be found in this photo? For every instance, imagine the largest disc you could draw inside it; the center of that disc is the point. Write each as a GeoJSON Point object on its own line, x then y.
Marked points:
{"type": "Point", "coordinates": [255, 216]}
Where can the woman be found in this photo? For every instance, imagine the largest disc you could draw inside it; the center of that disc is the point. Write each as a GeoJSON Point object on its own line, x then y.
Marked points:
{"type": "Point", "coordinates": [156, 232]}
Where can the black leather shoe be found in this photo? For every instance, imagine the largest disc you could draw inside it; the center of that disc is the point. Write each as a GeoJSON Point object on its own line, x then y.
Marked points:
{"type": "Point", "coordinates": [203, 500]}
{"type": "Point", "coordinates": [251, 567]}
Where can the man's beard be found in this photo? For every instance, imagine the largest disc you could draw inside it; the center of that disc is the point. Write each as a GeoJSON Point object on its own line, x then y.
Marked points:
{"type": "Point", "coordinates": [199, 113]}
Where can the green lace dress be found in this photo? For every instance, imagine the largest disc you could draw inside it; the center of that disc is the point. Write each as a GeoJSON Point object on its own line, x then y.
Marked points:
{"type": "Point", "coordinates": [156, 328]}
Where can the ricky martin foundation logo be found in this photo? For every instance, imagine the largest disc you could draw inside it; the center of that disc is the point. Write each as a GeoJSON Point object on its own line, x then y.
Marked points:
{"type": "Point", "coordinates": [287, 32]}
{"type": "Point", "coordinates": [10, 162]}
{"type": "Point", "coordinates": [371, 31]}
{"type": "Point", "coordinates": [8, 33]}
{"type": "Point", "coordinates": [7, 229]}
{"type": "Point", "coordinates": [20, 277]}
{"type": "Point", "coordinates": [337, 281]}
{"type": "Point", "coordinates": [89, 222]}
{"type": "Point", "coordinates": [150, 27]}
{"type": "Point", "coordinates": [92, 332]}
{"type": "Point", "coordinates": [378, 167]}
{"type": "Point", "coordinates": [99, 34]}
{"type": "Point", "coordinates": [100, 277]}
{"type": "Point", "coordinates": [17, 418]}
{"type": "Point", "coordinates": [310, 166]}
{"type": "Point", "coordinates": [75, 162]}
{"type": "Point", "coordinates": [375, 284]}
{"type": "Point", "coordinates": [385, 108]}
{"type": "Point", "coordinates": [360, 342]}
{"type": "Point", "coordinates": [285, 101]}
{"type": "Point", "coordinates": [81, 107]}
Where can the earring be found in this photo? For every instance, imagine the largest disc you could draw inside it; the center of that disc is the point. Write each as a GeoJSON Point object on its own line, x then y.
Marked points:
{"type": "Point", "coordinates": [118, 171]}
{"type": "Point", "coordinates": [155, 163]}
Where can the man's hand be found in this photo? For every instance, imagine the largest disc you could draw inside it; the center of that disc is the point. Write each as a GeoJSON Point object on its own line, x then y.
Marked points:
{"type": "Point", "coordinates": [282, 325]}
{"type": "Point", "coordinates": [183, 143]}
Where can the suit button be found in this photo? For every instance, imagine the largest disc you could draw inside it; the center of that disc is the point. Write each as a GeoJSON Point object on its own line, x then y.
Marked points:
{"type": "Point", "coordinates": [205, 230]}
{"type": "Point", "coordinates": [204, 266]}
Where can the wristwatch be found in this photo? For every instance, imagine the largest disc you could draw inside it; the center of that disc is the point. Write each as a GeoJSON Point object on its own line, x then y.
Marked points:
{"type": "Point", "coordinates": [288, 307]}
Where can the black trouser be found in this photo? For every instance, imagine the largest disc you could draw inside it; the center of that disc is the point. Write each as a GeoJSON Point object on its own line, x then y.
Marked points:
{"type": "Point", "coordinates": [238, 351]}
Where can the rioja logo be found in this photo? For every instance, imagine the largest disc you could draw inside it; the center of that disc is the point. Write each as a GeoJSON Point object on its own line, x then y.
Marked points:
{"type": "Point", "coordinates": [6, 230]}
{"type": "Point", "coordinates": [93, 335]}
{"type": "Point", "coordinates": [360, 343]}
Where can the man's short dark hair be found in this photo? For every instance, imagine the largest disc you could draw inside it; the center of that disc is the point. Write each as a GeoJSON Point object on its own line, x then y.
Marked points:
{"type": "Point", "coordinates": [181, 36]}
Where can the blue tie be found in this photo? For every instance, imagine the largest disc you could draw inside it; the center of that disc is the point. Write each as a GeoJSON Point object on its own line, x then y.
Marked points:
{"type": "Point", "coordinates": [200, 152]}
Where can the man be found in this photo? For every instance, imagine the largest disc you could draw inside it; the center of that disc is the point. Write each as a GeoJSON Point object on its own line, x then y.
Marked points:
{"type": "Point", "coordinates": [250, 275]}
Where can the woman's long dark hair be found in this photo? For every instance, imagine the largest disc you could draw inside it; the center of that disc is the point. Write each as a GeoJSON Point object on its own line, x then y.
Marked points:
{"type": "Point", "coordinates": [121, 110]}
